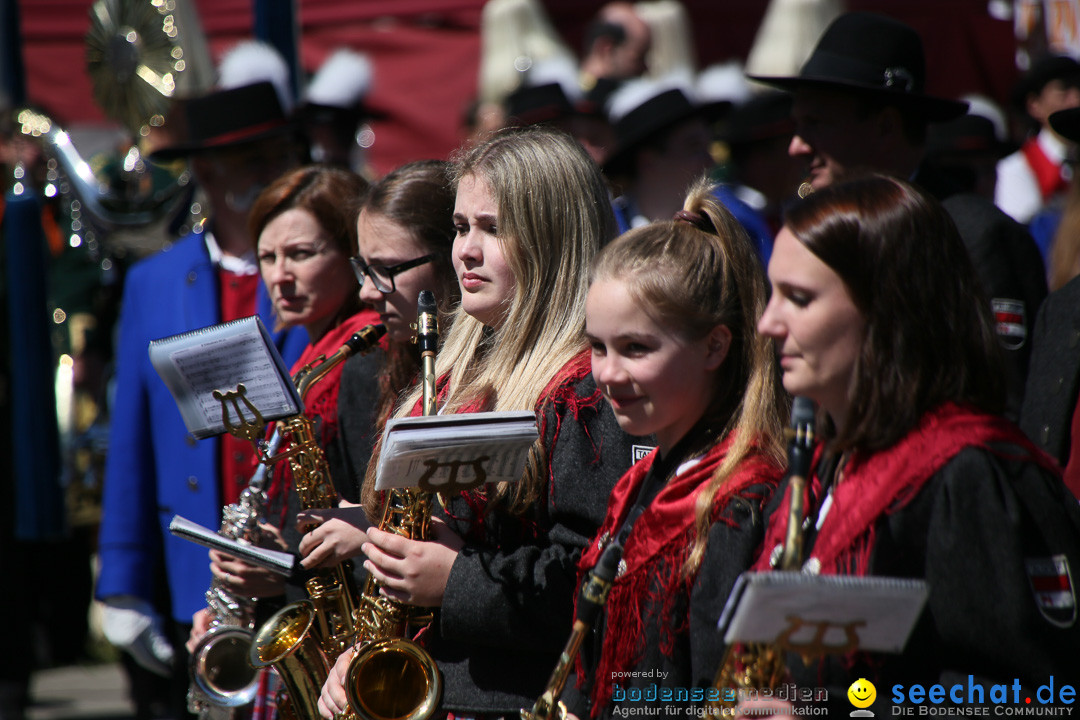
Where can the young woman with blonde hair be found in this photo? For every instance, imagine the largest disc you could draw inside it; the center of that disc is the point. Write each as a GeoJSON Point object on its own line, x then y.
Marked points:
{"type": "Point", "coordinates": [531, 212]}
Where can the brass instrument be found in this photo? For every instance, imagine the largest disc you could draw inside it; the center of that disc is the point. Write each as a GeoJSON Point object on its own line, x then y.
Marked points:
{"type": "Point", "coordinates": [220, 672]}
{"type": "Point", "coordinates": [760, 666]}
{"type": "Point", "coordinates": [391, 677]}
{"type": "Point", "coordinates": [302, 639]}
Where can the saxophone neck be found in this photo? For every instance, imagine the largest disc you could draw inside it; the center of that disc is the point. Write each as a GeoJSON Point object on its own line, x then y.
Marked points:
{"type": "Point", "coordinates": [800, 456]}
{"type": "Point", "coordinates": [362, 341]}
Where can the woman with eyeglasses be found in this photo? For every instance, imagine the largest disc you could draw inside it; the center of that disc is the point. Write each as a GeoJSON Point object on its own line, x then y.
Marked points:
{"type": "Point", "coordinates": [405, 234]}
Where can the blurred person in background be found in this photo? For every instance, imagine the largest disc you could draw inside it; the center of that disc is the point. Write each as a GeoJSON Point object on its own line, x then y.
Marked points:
{"type": "Point", "coordinates": [237, 140]}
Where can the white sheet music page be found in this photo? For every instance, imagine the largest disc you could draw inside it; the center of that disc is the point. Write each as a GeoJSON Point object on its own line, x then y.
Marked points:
{"type": "Point", "coordinates": [222, 357]}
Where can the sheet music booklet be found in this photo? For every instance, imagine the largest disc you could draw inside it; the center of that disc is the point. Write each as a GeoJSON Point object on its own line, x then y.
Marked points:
{"type": "Point", "coordinates": [826, 609]}
{"type": "Point", "coordinates": [221, 357]}
{"type": "Point", "coordinates": [440, 453]}
{"type": "Point", "coordinates": [277, 561]}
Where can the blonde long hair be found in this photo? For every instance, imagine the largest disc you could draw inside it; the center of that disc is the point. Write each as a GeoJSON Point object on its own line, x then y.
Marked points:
{"type": "Point", "coordinates": [553, 215]}
{"type": "Point", "coordinates": [697, 274]}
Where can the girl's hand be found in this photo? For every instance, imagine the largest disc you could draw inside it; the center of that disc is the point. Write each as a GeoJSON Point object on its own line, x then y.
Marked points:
{"type": "Point", "coordinates": [244, 580]}
{"type": "Point", "coordinates": [331, 535]}
{"type": "Point", "coordinates": [412, 571]}
{"type": "Point", "coordinates": [200, 625]}
{"type": "Point", "coordinates": [332, 699]}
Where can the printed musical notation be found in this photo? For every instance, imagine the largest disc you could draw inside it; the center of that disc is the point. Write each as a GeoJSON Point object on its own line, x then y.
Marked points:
{"type": "Point", "coordinates": [223, 357]}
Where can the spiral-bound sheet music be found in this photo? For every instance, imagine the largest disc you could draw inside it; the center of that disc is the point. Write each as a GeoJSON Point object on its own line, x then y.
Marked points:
{"type": "Point", "coordinates": [440, 453]}
{"type": "Point", "coordinates": [221, 357]}
{"type": "Point", "coordinates": [881, 611]}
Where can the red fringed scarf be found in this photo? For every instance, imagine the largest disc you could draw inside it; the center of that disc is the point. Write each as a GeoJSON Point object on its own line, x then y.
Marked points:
{"type": "Point", "coordinates": [321, 403]}
{"type": "Point", "coordinates": [650, 578]}
{"type": "Point", "coordinates": [881, 483]}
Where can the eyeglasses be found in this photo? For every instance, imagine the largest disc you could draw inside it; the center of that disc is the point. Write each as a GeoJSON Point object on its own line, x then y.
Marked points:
{"type": "Point", "coordinates": [383, 275]}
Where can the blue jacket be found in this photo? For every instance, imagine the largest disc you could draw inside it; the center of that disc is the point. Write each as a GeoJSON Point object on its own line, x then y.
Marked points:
{"type": "Point", "coordinates": [155, 469]}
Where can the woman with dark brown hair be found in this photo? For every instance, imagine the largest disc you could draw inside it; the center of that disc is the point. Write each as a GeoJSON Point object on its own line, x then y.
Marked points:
{"type": "Point", "coordinates": [877, 316]}
{"type": "Point", "coordinates": [405, 232]}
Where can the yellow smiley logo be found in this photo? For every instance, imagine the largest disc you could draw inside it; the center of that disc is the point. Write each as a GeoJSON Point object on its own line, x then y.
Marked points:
{"type": "Point", "coordinates": [862, 693]}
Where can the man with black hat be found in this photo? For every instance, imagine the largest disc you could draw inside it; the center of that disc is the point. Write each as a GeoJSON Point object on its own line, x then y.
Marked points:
{"type": "Point", "coordinates": [238, 141]}
{"type": "Point", "coordinates": [1037, 174]}
{"type": "Point", "coordinates": [662, 145]}
{"type": "Point", "coordinates": [860, 106]}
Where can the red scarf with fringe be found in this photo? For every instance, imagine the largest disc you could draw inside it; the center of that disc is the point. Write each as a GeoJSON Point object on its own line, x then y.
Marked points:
{"type": "Point", "coordinates": [559, 392]}
{"type": "Point", "coordinates": [650, 578]}
{"type": "Point", "coordinates": [881, 483]}
{"type": "Point", "coordinates": [321, 403]}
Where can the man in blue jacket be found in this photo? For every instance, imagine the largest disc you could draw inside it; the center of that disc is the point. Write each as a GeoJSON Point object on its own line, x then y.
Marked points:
{"type": "Point", "coordinates": [238, 141]}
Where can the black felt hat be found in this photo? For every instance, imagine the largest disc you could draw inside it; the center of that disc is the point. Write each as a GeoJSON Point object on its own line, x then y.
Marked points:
{"type": "Point", "coordinates": [872, 55]}
{"type": "Point", "coordinates": [1041, 74]}
{"type": "Point", "coordinates": [965, 136]}
{"type": "Point", "coordinates": [226, 118]}
{"type": "Point", "coordinates": [764, 116]}
{"type": "Point", "coordinates": [652, 117]}
{"type": "Point", "coordinates": [1066, 123]}
{"type": "Point", "coordinates": [536, 104]}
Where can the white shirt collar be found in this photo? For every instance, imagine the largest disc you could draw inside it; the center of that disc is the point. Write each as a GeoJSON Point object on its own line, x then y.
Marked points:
{"type": "Point", "coordinates": [242, 265]}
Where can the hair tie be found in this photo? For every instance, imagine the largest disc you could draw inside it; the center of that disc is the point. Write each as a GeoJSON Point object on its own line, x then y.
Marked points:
{"type": "Point", "coordinates": [701, 222]}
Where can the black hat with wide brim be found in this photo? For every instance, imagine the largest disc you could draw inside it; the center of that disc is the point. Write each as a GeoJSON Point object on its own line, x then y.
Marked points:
{"type": "Point", "coordinates": [538, 104]}
{"type": "Point", "coordinates": [1066, 123]}
{"type": "Point", "coordinates": [872, 55]}
{"type": "Point", "coordinates": [224, 119]}
{"type": "Point", "coordinates": [648, 120]}
{"type": "Point", "coordinates": [966, 136]}
{"type": "Point", "coordinates": [1043, 72]}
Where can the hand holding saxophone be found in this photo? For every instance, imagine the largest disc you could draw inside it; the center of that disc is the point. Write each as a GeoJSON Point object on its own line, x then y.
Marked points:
{"type": "Point", "coordinates": [333, 700]}
{"type": "Point", "coordinates": [331, 535]}
{"type": "Point", "coordinates": [244, 579]}
{"type": "Point", "coordinates": [413, 571]}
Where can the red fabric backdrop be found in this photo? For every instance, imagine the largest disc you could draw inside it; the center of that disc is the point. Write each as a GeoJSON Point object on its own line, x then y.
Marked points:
{"type": "Point", "coordinates": [425, 53]}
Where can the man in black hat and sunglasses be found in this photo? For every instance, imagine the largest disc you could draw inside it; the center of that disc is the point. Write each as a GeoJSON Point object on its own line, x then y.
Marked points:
{"type": "Point", "coordinates": [859, 106]}
{"type": "Point", "coordinates": [238, 140]}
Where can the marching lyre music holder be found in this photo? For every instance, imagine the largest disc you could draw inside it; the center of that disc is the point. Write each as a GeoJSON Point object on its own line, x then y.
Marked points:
{"type": "Point", "coordinates": [818, 615]}
{"type": "Point", "coordinates": [252, 430]}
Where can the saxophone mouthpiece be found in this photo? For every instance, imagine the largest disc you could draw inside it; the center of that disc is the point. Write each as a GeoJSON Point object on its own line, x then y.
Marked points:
{"type": "Point", "coordinates": [427, 322]}
{"type": "Point", "coordinates": [365, 338]}
{"type": "Point", "coordinates": [801, 436]}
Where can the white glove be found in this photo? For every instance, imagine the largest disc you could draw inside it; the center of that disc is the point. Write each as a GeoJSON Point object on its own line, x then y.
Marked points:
{"type": "Point", "coordinates": [131, 624]}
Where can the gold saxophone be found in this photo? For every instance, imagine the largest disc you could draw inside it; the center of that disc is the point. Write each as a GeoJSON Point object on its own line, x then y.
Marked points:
{"type": "Point", "coordinates": [758, 666]}
{"type": "Point", "coordinates": [391, 677]}
{"type": "Point", "coordinates": [303, 639]}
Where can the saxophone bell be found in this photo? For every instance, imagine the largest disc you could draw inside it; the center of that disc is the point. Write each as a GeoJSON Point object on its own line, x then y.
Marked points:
{"type": "Point", "coordinates": [220, 667]}
{"type": "Point", "coordinates": [393, 678]}
{"type": "Point", "coordinates": [287, 643]}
